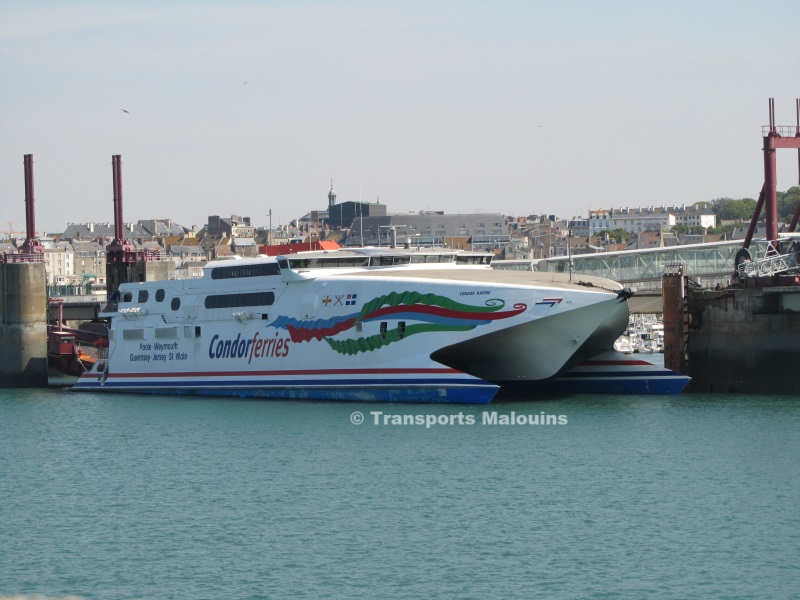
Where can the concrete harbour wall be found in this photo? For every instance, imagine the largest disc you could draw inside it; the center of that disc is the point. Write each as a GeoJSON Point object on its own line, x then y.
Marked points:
{"type": "Point", "coordinates": [23, 325]}
{"type": "Point", "coordinates": [745, 341]}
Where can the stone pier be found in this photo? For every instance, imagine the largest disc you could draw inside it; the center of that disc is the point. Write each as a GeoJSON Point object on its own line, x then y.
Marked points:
{"type": "Point", "coordinates": [23, 325]}
{"type": "Point", "coordinates": [745, 340]}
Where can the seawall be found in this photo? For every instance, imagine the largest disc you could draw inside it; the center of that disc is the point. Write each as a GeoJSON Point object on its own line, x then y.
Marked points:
{"type": "Point", "coordinates": [23, 325]}
{"type": "Point", "coordinates": [745, 340]}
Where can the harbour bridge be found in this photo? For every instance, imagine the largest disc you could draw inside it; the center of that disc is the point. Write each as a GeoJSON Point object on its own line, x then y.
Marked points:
{"type": "Point", "coordinates": [707, 266]}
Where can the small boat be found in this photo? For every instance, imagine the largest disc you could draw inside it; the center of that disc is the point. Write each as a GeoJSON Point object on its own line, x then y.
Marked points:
{"type": "Point", "coordinates": [623, 345]}
{"type": "Point", "coordinates": [66, 355]}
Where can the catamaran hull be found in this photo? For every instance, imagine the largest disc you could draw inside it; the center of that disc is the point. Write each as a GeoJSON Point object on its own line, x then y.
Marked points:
{"type": "Point", "coordinates": [347, 387]}
{"type": "Point", "coordinates": [442, 333]}
{"type": "Point", "coordinates": [610, 372]}
{"type": "Point", "coordinates": [542, 348]}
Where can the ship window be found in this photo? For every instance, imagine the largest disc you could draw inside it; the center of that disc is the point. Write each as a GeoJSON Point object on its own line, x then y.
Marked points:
{"type": "Point", "coordinates": [237, 300]}
{"type": "Point", "coordinates": [197, 331]}
{"type": "Point", "coordinates": [127, 297]}
{"type": "Point", "coordinates": [256, 270]}
{"type": "Point", "coordinates": [166, 332]}
{"type": "Point", "coordinates": [474, 260]}
{"type": "Point", "coordinates": [143, 295]}
{"type": "Point", "coordinates": [384, 327]}
{"type": "Point", "coordinates": [175, 304]}
{"type": "Point", "coordinates": [328, 262]}
{"type": "Point", "coordinates": [160, 295]}
{"type": "Point", "coordinates": [390, 260]}
{"type": "Point", "coordinates": [401, 329]}
{"type": "Point", "coordinates": [133, 334]}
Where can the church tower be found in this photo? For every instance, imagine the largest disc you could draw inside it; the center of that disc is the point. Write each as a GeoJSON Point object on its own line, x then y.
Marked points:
{"type": "Point", "coordinates": [331, 197]}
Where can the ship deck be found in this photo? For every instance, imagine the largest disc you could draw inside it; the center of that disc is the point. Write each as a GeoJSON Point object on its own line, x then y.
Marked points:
{"type": "Point", "coordinates": [492, 276]}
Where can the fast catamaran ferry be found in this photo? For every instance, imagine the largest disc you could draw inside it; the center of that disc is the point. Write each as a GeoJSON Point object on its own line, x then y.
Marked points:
{"type": "Point", "coordinates": [371, 324]}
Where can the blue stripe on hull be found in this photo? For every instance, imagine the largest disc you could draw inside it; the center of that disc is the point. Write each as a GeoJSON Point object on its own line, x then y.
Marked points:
{"type": "Point", "coordinates": [620, 385]}
{"type": "Point", "coordinates": [451, 394]}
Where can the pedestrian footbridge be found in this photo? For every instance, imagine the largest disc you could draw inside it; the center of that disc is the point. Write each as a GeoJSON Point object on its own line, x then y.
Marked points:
{"type": "Point", "coordinates": [706, 265]}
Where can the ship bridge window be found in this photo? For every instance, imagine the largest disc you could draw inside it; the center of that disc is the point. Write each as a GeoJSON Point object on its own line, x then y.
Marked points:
{"type": "Point", "coordinates": [237, 300]}
{"type": "Point", "coordinates": [390, 260]}
{"type": "Point", "coordinates": [346, 261]}
{"type": "Point", "coordinates": [256, 270]}
{"type": "Point", "coordinates": [143, 295]}
{"type": "Point", "coordinates": [127, 297]}
{"type": "Point", "coordinates": [431, 258]}
{"type": "Point", "coordinates": [329, 262]}
{"type": "Point", "coordinates": [473, 260]}
{"type": "Point", "coordinates": [113, 303]}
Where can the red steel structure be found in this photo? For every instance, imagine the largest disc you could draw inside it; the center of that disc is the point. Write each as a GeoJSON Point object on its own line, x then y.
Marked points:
{"type": "Point", "coordinates": [32, 247]}
{"type": "Point", "coordinates": [776, 137]}
{"type": "Point", "coordinates": [120, 250]}
{"type": "Point", "coordinates": [777, 262]}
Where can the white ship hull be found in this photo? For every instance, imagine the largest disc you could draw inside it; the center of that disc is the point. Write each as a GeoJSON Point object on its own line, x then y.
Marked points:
{"type": "Point", "coordinates": [405, 333]}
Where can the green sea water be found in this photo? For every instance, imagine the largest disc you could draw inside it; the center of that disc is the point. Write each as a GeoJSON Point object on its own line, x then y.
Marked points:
{"type": "Point", "coordinates": [129, 496]}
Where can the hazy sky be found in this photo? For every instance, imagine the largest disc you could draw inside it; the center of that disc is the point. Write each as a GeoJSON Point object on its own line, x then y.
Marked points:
{"type": "Point", "coordinates": [523, 107]}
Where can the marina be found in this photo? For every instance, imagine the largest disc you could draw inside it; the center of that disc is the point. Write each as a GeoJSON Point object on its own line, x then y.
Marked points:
{"type": "Point", "coordinates": [644, 335]}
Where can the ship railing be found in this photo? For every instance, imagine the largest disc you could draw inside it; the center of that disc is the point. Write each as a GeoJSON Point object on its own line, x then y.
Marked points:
{"type": "Point", "coordinates": [22, 257]}
{"type": "Point", "coordinates": [151, 255]}
{"type": "Point", "coordinates": [180, 274]}
{"type": "Point", "coordinates": [781, 130]}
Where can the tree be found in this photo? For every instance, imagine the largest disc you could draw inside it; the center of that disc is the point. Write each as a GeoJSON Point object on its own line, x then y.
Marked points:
{"type": "Point", "coordinates": [787, 203]}
{"type": "Point", "coordinates": [620, 235]}
{"type": "Point", "coordinates": [679, 229]}
{"type": "Point", "coordinates": [728, 209]}
{"type": "Point", "coordinates": [727, 230]}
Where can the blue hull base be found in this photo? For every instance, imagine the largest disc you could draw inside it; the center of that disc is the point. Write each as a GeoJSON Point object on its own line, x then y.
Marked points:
{"type": "Point", "coordinates": [654, 385]}
{"type": "Point", "coordinates": [476, 394]}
